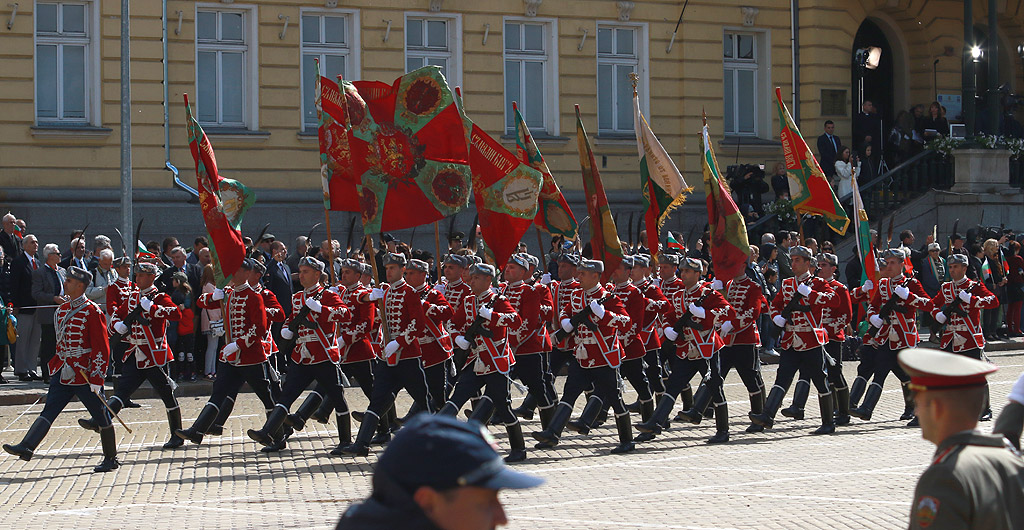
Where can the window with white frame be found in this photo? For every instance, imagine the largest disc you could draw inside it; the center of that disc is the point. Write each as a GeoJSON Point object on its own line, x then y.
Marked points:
{"type": "Point", "coordinates": [63, 33]}
{"type": "Point", "coordinates": [740, 57]}
{"type": "Point", "coordinates": [329, 38]}
{"type": "Point", "coordinates": [530, 75]}
{"type": "Point", "coordinates": [222, 67]}
{"type": "Point", "coordinates": [618, 55]}
{"type": "Point", "coordinates": [433, 40]}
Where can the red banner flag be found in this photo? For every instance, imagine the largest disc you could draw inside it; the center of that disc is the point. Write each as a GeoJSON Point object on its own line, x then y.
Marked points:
{"type": "Point", "coordinates": [604, 238]}
{"type": "Point", "coordinates": [335, 155]}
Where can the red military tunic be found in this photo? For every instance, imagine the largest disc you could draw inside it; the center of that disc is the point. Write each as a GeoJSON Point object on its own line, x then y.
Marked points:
{"type": "Point", "coordinates": [454, 292]}
{"type": "Point", "coordinates": [963, 333]}
{"type": "Point", "coordinates": [693, 343]}
{"type": "Point", "coordinates": [804, 330]}
{"type": "Point", "coordinates": [858, 296]}
{"type": "Point", "coordinates": [117, 292]}
{"type": "Point", "coordinates": [560, 292]}
{"type": "Point", "coordinates": [747, 302]}
{"type": "Point", "coordinates": [356, 328]}
{"type": "Point", "coordinates": [488, 354]}
{"type": "Point", "coordinates": [82, 343]}
{"type": "Point", "coordinates": [275, 313]}
{"type": "Point", "coordinates": [533, 305]}
{"type": "Point", "coordinates": [405, 320]}
{"type": "Point", "coordinates": [148, 344]}
{"type": "Point", "coordinates": [600, 348]}
{"type": "Point", "coordinates": [668, 290]}
{"type": "Point", "coordinates": [635, 305]}
{"type": "Point", "coordinates": [436, 345]}
{"type": "Point", "coordinates": [836, 315]}
{"type": "Point", "coordinates": [245, 323]}
{"type": "Point", "coordinates": [318, 344]}
{"type": "Point", "coordinates": [903, 320]}
{"type": "Point", "coordinates": [649, 335]}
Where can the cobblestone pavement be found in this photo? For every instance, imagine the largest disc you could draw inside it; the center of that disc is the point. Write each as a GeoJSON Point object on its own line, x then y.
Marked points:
{"type": "Point", "coordinates": [861, 477]}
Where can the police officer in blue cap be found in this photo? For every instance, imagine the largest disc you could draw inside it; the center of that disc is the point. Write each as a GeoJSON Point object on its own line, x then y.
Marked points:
{"type": "Point", "coordinates": [437, 473]}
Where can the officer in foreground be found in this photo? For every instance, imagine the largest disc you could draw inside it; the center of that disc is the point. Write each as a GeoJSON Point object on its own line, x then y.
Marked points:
{"type": "Point", "coordinates": [437, 473]}
{"type": "Point", "coordinates": [975, 480]}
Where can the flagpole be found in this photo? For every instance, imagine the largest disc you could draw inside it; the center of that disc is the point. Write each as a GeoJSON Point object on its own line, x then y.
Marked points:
{"type": "Point", "coordinates": [437, 248]}
{"type": "Point", "coordinates": [540, 243]}
{"type": "Point", "coordinates": [376, 281]}
{"type": "Point", "coordinates": [330, 246]}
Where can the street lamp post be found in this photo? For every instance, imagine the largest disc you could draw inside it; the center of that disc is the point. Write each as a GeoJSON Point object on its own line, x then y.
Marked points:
{"type": "Point", "coordinates": [968, 82]}
{"type": "Point", "coordinates": [126, 129]}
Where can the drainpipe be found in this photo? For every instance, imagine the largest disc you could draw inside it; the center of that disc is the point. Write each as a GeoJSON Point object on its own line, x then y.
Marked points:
{"type": "Point", "coordinates": [794, 9]}
{"type": "Point", "coordinates": [167, 116]}
{"type": "Point", "coordinates": [993, 110]}
{"type": "Point", "coordinates": [126, 123]}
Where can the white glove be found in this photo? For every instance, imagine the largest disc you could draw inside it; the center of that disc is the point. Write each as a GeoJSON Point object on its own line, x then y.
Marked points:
{"type": "Point", "coordinates": [314, 305]}
{"type": "Point", "coordinates": [566, 325]}
{"type": "Point", "coordinates": [726, 327]}
{"type": "Point", "coordinates": [1017, 392]}
{"type": "Point", "coordinates": [229, 351]}
{"type": "Point", "coordinates": [779, 321]}
{"type": "Point", "coordinates": [696, 311]}
{"type": "Point", "coordinates": [334, 290]}
{"type": "Point", "coordinates": [485, 312]}
{"type": "Point", "coordinates": [218, 294]}
{"type": "Point", "coordinates": [391, 348]}
{"type": "Point", "coordinates": [867, 286]}
{"type": "Point", "coordinates": [941, 317]}
{"type": "Point", "coordinates": [597, 309]}
{"type": "Point", "coordinates": [717, 284]}
{"type": "Point", "coordinates": [461, 342]}
{"type": "Point", "coordinates": [439, 288]}
{"type": "Point", "coordinates": [803, 289]}
{"type": "Point", "coordinates": [146, 303]}
{"type": "Point", "coordinates": [902, 292]}
{"type": "Point", "coordinates": [287, 334]}
{"type": "Point", "coordinates": [671, 334]}
{"type": "Point", "coordinates": [656, 282]}
{"type": "Point", "coordinates": [95, 389]}
{"type": "Point", "coordinates": [545, 278]}
{"type": "Point", "coordinates": [965, 296]}
{"type": "Point", "coordinates": [120, 327]}
{"type": "Point", "coordinates": [876, 321]}
{"type": "Point", "coordinates": [376, 294]}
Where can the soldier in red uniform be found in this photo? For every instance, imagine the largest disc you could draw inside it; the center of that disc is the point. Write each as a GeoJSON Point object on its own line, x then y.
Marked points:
{"type": "Point", "coordinates": [689, 318]}
{"type": "Point", "coordinates": [640, 274]}
{"type": "Point", "coordinates": [592, 318]}
{"type": "Point", "coordinates": [633, 345]}
{"type": "Point", "coordinates": [117, 291]}
{"type": "Point", "coordinates": [894, 309]}
{"type": "Point", "coordinates": [668, 281]}
{"type": "Point", "coordinates": [243, 358]}
{"type": "Point", "coordinates": [148, 352]}
{"type": "Point", "coordinates": [797, 310]}
{"type": "Point", "coordinates": [78, 368]}
{"type": "Point", "coordinates": [869, 346]}
{"type": "Point", "coordinates": [436, 345]}
{"type": "Point", "coordinates": [313, 325]}
{"type": "Point", "coordinates": [529, 341]}
{"type": "Point", "coordinates": [482, 321]}
{"type": "Point", "coordinates": [405, 323]}
{"type": "Point", "coordinates": [741, 338]}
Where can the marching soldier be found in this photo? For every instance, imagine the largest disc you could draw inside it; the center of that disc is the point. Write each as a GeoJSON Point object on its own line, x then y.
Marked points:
{"type": "Point", "coordinates": [975, 480]}
{"type": "Point", "coordinates": [797, 310]}
{"type": "Point", "coordinates": [649, 335]}
{"type": "Point", "coordinates": [633, 346]}
{"type": "Point", "coordinates": [243, 358]}
{"type": "Point", "coordinates": [530, 341]}
{"type": "Point", "coordinates": [313, 326]}
{"type": "Point", "coordinates": [118, 291]}
{"type": "Point", "coordinates": [741, 339]}
{"type": "Point", "coordinates": [869, 345]}
{"type": "Point", "coordinates": [404, 324]}
{"type": "Point", "coordinates": [689, 318]}
{"type": "Point", "coordinates": [668, 281]}
{"type": "Point", "coordinates": [77, 369]}
{"type": "Point", "coordinates": [482, 320]}
{"type": "Point", "coordinates": [895, 303]}
{"type": "Point", "coordinates": [142, 318]}
{"type": "Point", "coordinates": [436, 345]}
{"type": "Point", "coordinates": [592, 318]}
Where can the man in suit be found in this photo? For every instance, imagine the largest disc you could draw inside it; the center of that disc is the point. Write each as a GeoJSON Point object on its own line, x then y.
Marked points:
{"type": "Point", "coordinates": [199, 244]}
{"type": "Point", "coordinates": [169, 244]}
{"type": "Point", "coordinates": [279, 280]}
{"type": "Point", "coordinates": [786, 240]}
{"type": "Point", "coordinates": [29, 331]}
{"type": "Point", "coordinates": [10, 241]}
{"type": "Point", "coordinates": [828, 149]}
{"type": "Point", "coordinates": [76, 255]}
{"type": "Point", "coordinates": [99, 243]}
{"type": "Point", "coordinates": [48, 292]}
{"type": "Point", "coordinates": [178, 263]}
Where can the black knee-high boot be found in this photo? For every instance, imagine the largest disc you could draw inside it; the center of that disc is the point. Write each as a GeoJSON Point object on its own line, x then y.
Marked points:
{"type": "Point", "coordinates": [525, 411]}
{"type": "Point", "coordinates": [115, 405]}
{"type": "Point", "coordinates": [908, 402]}
{"type": "Point", "coordinates": [109, 445]}
{"type": "Point", "coordinates": [35, 434]}
{"type": "Point", "coordinates": [361, 445]}
{"type": "Point", "coordinates": [267, 434]}
{"type": "Point", "coordinates": [195, 433]}
{"type": "Point", "coordinates": [646, 413]}
{"type": "Point", "coordinates": [686, 397]}
{"type": "Point", "coordinates": [701, 401]}
{"type": "Point", "coordinates": [545, 416]}
{"type": "Point", "coordinates": [449, 409]}
{"type": "Point", "coordinates": [828, 421]}
{"type": "Point", "coordinates": [483, 411]}
{"type": "Point", "coordinates": [297, 420]}
{"type": "Point", "coordinates": [857, 391]}
{"type": "Point", "coordinates": [721, 424]}
{"type": "Point", "coordinates": [383, 435]}
{"type": "Point", "coordinates": [323, 412]}
{"type": "Point", "coordinates": [516, 442]}
{"type": "Point", "coordinates": [756, 407]}
{"type": "Point", "coordinates": [865, 410]}
{"type": "Point", "coordinates": [226, 407]}
{"type": "Point", "coordinates": [625, 431]}
{"type": "Point", "coordinates": [549, 436]}
{"type": "Point", "coordinates": [766, 418]}
{"type": "Point", "coordinates": [842, 406]}
{"type": "Point", "coordinates": [659, 417]}
{"type": "Point", "coordinates": [344, 433]}
{"type": "Point", "coordinates": [174, 420]}
{"type": "Point", "coordinates": [800, 394]}
{"type": "Point", "coordinates": [590, 412]}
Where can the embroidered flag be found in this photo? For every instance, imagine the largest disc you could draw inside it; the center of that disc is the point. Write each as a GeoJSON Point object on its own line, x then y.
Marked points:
{"type": "Point", "coordinates": [729, 246]}
{"type": "Point", "coordinates": [553, 215]}
{"type": "Point", "coordinates": [604, 239]}
{"type": "Point", "coordinates": [663, 186]}
{"type": "Point", "coordinates": [335, 155]}
{"type": "Point", "coordinates": [865, 247]}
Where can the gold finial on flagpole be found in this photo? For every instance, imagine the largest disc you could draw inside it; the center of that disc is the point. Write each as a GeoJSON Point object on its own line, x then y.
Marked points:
{"type": "Point", "coordinates": [634, 78]}
{"type": "Point", "coordinates": [705, 113]}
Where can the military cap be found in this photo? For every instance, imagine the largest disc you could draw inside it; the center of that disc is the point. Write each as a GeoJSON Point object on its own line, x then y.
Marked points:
{"type": "Point", "coordinates": [628, 262]}
{"type": "Point", "coordinates": [259, 266]}
{"type": "Point", "coordinates": [367, 269]}
{"type": "Point", "coordinates": [801, 251]}
{"type": "Point", "coordinates": [938, 370]}
{"type": "Point", "coordinates": [388, 238]}
{"type": "Point", "coordinates": [457, 260]}
{"type": "Point", "coordinates": [591, 265]}
{"type": "Point", "coordinates": [392, 258]}
{"type": "Point", "coordinates": [829, 258]}
{"type": "Point", "coordinates": [80, 274]}
{"type": "Point", "coordinates": [519, 259]}
{"type": "Point", "coordinates": [482, 268]}
{"type": "Point", "coordinates": [443, 453]}
{"type": "Point", "coordinates": [534, 260]}
{"type": "Point", "coordinates": [456, 236]}
{"type": "Point", "coordinates": [641, 260]}
{"type": "Point", "coordinates": [933, 246]}
{"type": "Point", "coordinates": [123, 261]}
{"type": "Point", "coordinates": [312, 263]}
{"type": "Point", "coordinates": [147, 268]}
{"type": "Point", "coordinates": [474, 259]}
{"type": "Point", "coordinates": [959, 259]}
{"type": "Point", "coordinates": [417, 265]}
{"type": "Point", "coordinates": [956, 237]}
{"type": "Point", "coordinates": [669, 259]}
{"type": "Point", "coordinates": [424, 255]}
{"type": "Point", "coordinates": [893, 253]}
{"type": "Point", "coordinates": [571, 259]}
{"type": "Point", "coordinates": [692, 264]}
{"type": "Point", "coordinates": [352, 264]}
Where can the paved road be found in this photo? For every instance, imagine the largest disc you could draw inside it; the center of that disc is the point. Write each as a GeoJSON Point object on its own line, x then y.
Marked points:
{"type": "Point", "coordinates": [862, 477]}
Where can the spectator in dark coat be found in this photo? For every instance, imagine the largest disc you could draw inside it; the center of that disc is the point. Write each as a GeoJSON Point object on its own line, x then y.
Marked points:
{"type": "Point", "coordinates": [780, 181]}
{"type": "Point", "coordinates": [29, 331]}
{"type": "Point", "coordinates": [48, 291]}
{"type": "Point", "coordinates": [828, 149]}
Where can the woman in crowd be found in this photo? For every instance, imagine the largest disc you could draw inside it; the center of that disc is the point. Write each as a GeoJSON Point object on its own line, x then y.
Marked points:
{"type": "Point", "coordinates": [1014, 286]}
{"type": "Point", "coordinates": [995, 280]}
{"type": "Point", "coordinates": [934, 124]}
{"type": "Point", "coordinates": [847, 169]}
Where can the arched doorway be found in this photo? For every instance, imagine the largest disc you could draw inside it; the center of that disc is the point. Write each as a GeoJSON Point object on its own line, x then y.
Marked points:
{"type": "Point", "coordinates": [875, 85]}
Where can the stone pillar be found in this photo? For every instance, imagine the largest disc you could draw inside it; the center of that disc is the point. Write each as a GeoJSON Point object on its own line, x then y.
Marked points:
{"type": "Point", "coordinates": [981, 170]}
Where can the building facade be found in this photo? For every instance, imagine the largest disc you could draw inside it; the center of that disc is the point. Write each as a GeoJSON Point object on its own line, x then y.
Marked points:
{"type": "Point", "coordinates": [248, 68]}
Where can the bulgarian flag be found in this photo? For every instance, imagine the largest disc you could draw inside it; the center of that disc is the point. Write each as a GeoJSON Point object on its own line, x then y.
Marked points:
{"type": "Point", "coordinates": [663, 186]}
{"type": "Point", "coordinates": [729, 246]}
{"type": "Point", "coordinates": [223, 202]}
{"type": "Point", "coordinates": [865, 247]}
{"type": "Point", "coordinates": [809, 189]}
{"type": "Point", "coordinates": [142, 252]}
{"type": "Point", "coordinates": [604, 238]}
{"type": "Point", "coordinates": [672, 244]}
{"type": "Point", "coordinates": [335, 155]}
{"type": "Point", "coordinates": [553, 213]}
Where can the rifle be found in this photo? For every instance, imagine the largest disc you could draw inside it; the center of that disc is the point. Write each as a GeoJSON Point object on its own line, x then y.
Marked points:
{"type": "Point", "coordinates": [792, 306]}
{"type": "Point", "coordinates": [629, 232]}
{"type": "Point", "coordinates": [887, 309]}
{"type": "Point", "coordinates": [581, 318]}
{"type": "Point", "coordinates": [300, 320]}
{"type": "Point", "coordinates": [471, 244]}
{"type": "Point", "coordinates": [256, 243]}
{"type": "Point", "coordinates": [686, 321]}
{"type": "Point", "coordinates": [477, 329]}
{"type": "Point", "coordinates": [351, 230]}
{"type": "Point", "coordinates": [310, 247]}
{"type": "Point", "coordinates": [134, 317]}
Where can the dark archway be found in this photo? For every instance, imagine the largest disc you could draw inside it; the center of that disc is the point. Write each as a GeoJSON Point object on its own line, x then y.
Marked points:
{"type": "Point", "coordinates": [878, 83]}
